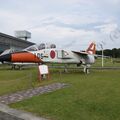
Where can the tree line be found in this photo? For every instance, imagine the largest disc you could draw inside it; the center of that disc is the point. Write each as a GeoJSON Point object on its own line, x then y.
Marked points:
{"type": "Point", "coordinates": [114, 53]}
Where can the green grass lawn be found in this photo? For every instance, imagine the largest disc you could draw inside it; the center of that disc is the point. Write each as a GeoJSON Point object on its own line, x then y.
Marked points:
{"type": "Point", "coordinates": [17, 80]}
{"type": "Point", "coordinates": [95, 96]}
{"type": "Point", "coordinates": [108, 62]}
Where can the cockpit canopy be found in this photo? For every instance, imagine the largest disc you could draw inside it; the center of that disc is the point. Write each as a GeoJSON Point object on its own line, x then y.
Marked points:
{"type": "Point", "coordinates": [31, 48]}
{"type": "Point", "coordinates": [40, 47]}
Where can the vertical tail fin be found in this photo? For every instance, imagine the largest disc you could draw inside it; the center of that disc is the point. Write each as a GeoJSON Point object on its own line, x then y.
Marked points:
{"type": "Point", "coordinates": [92, 48]}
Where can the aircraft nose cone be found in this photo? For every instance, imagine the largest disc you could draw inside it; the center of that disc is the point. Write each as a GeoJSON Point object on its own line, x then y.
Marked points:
{"type": "Point", "coordinates": [6, 57]}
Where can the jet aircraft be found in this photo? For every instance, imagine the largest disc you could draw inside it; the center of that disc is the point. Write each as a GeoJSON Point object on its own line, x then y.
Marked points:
{"type": "Point", "coordinates": [52, 55]}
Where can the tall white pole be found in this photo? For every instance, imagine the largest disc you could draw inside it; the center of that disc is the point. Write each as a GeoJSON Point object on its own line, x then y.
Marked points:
{"type": "Point", "coordinates": [102, 58]}
{"type": "Point", "coordinates": [102, 55]}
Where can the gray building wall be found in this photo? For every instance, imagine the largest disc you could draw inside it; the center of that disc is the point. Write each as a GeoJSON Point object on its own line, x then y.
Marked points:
{"type": "Point", "coordinates": [7, 42]}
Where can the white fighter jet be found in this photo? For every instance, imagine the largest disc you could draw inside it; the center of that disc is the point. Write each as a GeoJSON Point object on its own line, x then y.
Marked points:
{"type": "Point", "coordinates": [52, 55]}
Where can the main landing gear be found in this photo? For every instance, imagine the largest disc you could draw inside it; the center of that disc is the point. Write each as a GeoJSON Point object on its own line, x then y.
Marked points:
{"type": "Point", "coordinates": [86, 69]}
{"type": "Point", "coordinates": [16, 67]}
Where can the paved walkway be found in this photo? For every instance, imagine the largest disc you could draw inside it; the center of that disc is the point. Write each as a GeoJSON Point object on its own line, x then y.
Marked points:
{"type": "Point", "coordinates": [19, 96]}
{"type": "Point", "coordinates": [5, 116]}
{"type": "Point", "coordinates": [7, 113]}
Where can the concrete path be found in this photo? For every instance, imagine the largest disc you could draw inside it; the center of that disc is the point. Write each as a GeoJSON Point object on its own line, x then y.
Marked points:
{"type": "Point", "coordinates": [5, 116]}
{"type": "Point", "coordinates": [19, 96]}
{"type": "Point", "coordinates": [7, 113]}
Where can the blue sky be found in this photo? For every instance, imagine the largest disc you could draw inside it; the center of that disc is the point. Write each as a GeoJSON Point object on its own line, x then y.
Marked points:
{"type": "Point", "coordinates": [70, 24]}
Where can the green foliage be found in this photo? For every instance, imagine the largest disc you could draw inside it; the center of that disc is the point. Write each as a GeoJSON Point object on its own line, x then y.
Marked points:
{"type": "Point", "coordinates": [115, 53]}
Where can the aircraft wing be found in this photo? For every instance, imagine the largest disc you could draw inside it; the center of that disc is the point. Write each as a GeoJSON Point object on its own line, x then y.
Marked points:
{"type": "Point", "coordinates": [81, 53]}
{"type": "Point", "coordinates": [102, 56]}
{"type": "Point", "coordinates": [85, 54]}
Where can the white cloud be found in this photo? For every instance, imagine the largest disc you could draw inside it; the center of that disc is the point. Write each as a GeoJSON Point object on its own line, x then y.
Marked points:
{"type": "Point", "coordinates": [11, 22]}
{"type": "Point", "coordinates": [113, 2]}
{"type": "Point", "coordinates": [63, 37]}
{"type": "Point", "coordinates": [107, 28]}
{"type": "Point", "coordinates": [63, 22]}
{"type": "Point", "coordinates": [76, 19]}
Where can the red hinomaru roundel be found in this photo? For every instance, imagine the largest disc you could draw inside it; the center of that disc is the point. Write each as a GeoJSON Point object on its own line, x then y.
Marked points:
{"type": "Point", "coordinates": [52, 54]}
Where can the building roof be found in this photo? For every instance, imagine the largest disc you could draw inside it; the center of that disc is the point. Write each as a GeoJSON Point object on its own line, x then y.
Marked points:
{"type": "Point", "coordinates": [16, 39]}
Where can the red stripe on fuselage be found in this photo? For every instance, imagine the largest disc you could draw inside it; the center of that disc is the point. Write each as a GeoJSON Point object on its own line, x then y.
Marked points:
{"type": "Point", "coordinates": [25, 57]}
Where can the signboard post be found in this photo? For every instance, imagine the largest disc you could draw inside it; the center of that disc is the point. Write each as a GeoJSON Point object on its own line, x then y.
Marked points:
{"type": "Point", "coordinates": [43, 71]}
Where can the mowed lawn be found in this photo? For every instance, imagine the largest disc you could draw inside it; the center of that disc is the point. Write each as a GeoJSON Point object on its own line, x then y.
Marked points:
{"type": "Point", "coordinates": [95, 96]}
{"type": "Point", "coordinates": [16, 80]}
